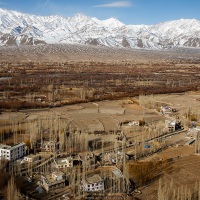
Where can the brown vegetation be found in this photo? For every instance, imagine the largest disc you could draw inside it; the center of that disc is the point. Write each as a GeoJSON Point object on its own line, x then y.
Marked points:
{"type": "Point", "coordinates": [167, 190]}
{"type": "Point", "coordinates": [36, 85]}
{"type": "Point", "coordinates": [12, 190]}
{"type": "Point", "coordinates": [143, 173]}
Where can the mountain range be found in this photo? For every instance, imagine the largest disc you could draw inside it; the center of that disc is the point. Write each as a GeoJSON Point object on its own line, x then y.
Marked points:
{"type": "Point", "coordinates": [23, 29]}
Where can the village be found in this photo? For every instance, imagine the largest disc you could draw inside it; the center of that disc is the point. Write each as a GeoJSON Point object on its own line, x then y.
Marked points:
{"type": "Point", "coordinates": [86, 151]}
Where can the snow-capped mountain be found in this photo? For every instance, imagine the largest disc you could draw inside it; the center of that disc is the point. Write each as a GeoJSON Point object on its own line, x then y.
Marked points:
{"type": "Point", "coordinates": [22, 29]}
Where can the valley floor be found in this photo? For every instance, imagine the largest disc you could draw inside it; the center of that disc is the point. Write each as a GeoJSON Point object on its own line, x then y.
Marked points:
{"type": "Point", "coordinates": [103, 128]}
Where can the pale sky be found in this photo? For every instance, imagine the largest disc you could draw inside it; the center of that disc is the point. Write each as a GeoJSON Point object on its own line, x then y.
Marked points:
{"type": "Point", "coordinates": [128, 12]}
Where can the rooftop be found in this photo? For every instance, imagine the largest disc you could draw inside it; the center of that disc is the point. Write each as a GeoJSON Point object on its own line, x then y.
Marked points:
{"type": "Point", "coordinates": [8, 147]}
{"type": "Point", "coordinates": [64, 160]}
{"type": "Point", "coordinates": [50, 180]}
{"type": "Point", "coordinates": [94, 179]}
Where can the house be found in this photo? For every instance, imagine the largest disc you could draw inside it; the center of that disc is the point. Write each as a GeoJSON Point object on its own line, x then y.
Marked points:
{"type": "Point", "coordinates": [170, 125]}
{"type": "Point", "coordinates": [53, 181]}
{"type": "Point", "coordinates": [173, 125]}
{"type": "Point", "coordinates": [32, 158]}
{"type": "Point", "coordinates": [134, 123]}
{"type": "Point", "coordinates": [167, 109]}
{"type": "Point", "coordinates": [131, 123]}
{"type": "Point", "coordinates": [93, 183]}
{"type": "Point", "coordinates": [12, 152]}
{"type": "Point", "coordinates": [50, 146]}
{"type": "Point", "coordinates": [70, 161]}
{"type": "Point", "coordinates": [61, 163]}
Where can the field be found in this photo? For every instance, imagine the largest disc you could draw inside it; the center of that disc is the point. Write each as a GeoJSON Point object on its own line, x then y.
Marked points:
{"type": "Point", "coordinates": [103, 105]}
{"type": "Point", "coordinates": [105, 74]}
{"type": "Point", "coordinates": [183, 176]}
{"type": "Point", "coordinates": [103, 117]}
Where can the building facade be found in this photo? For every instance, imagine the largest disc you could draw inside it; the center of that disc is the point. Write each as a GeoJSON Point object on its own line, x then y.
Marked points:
{"type": "Point", "coordinates": [50, 146]}
{"type": "Point", "coordinates": [61, 163]}
{"type": "Point", "coordinates": [94, 183]}
{"type": "Point", "coordinates": [12, 152]}
{"type": "Point", "coordinates": [31, 158]}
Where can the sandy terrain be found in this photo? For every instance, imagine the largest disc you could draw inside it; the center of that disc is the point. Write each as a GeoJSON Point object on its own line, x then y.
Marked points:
{"type": "Point", "coordinates": [182, 101]}
{"type": "Point", "coordinates": [85, 116]}
{"type": "Point", "coordinates": [104, 115]}
{"type": "Point", "coordinates": [66, 52]}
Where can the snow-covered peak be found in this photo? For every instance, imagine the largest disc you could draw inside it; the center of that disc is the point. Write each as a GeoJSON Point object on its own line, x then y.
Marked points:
{"type": "Point", "coordinates": [176, 28]}
{"type": "Point", "coordinates": [19, 28]}
{"type": "Point", "coordinates": [79, 16]}
{"type": "Point", "coordinates": [181, 23]}
{"type": "Point", "coordinates": [112, 23]}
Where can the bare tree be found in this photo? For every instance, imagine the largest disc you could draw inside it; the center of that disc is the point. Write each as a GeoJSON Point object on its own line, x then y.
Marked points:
{"type": "Point", "coordinates": [12, 191]}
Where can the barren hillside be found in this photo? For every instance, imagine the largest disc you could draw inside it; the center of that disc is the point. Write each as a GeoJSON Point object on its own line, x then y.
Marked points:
{"type": "Point", "coordinates": [66, 52]}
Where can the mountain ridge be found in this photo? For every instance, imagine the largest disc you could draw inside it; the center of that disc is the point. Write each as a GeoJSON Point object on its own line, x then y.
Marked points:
{"type": "Point", "coordinates": [23, 29]}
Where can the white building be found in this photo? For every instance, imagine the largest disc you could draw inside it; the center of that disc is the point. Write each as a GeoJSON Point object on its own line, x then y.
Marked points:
{"type": "Point", "coordinates": [12, 152]}
{"type": "Point", "coordinates": [94, 183]}
{"type": "Point", "coordinates": [173, 125]}
{"type": "Point", "coordinates": [61, 163]}
{"type": "Point", "coordinates": [170, 125]}
{"type": "Point", "coordinates": [50, 146]}
{"type": "Point", "coordinates": [31, 158]}
{"type": "Point", "coordinates": [134, 123]}
{"type": "Point", "coordinates": [167, 109]}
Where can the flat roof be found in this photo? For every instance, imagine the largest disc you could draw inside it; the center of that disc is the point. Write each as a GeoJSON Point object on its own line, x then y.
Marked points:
{"type": "Point", "coordinates": [8, 147]}
{"type": "Point", "coordinates": [63, 160]}
{"type": "Point", "coordinates": [50, 180]}
{"type": "Point", "coordinates": [94, 179]}
{"type": "Point", "coordinates": [3, 146]}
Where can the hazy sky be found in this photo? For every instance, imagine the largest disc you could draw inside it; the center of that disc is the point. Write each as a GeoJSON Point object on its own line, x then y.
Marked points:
{"type": "Point", "coordinates": [129, 12]}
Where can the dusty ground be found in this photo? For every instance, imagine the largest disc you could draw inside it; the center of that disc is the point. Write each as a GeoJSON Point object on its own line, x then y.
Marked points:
{"type": "Point", "coordinates": [103, 115]}
{"type": "Point", "coordinates": [63, 53]}
{"type": "Point", "coordinates": [182, 101]}
{"type": "Point", "coordinates": [185, 171]}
